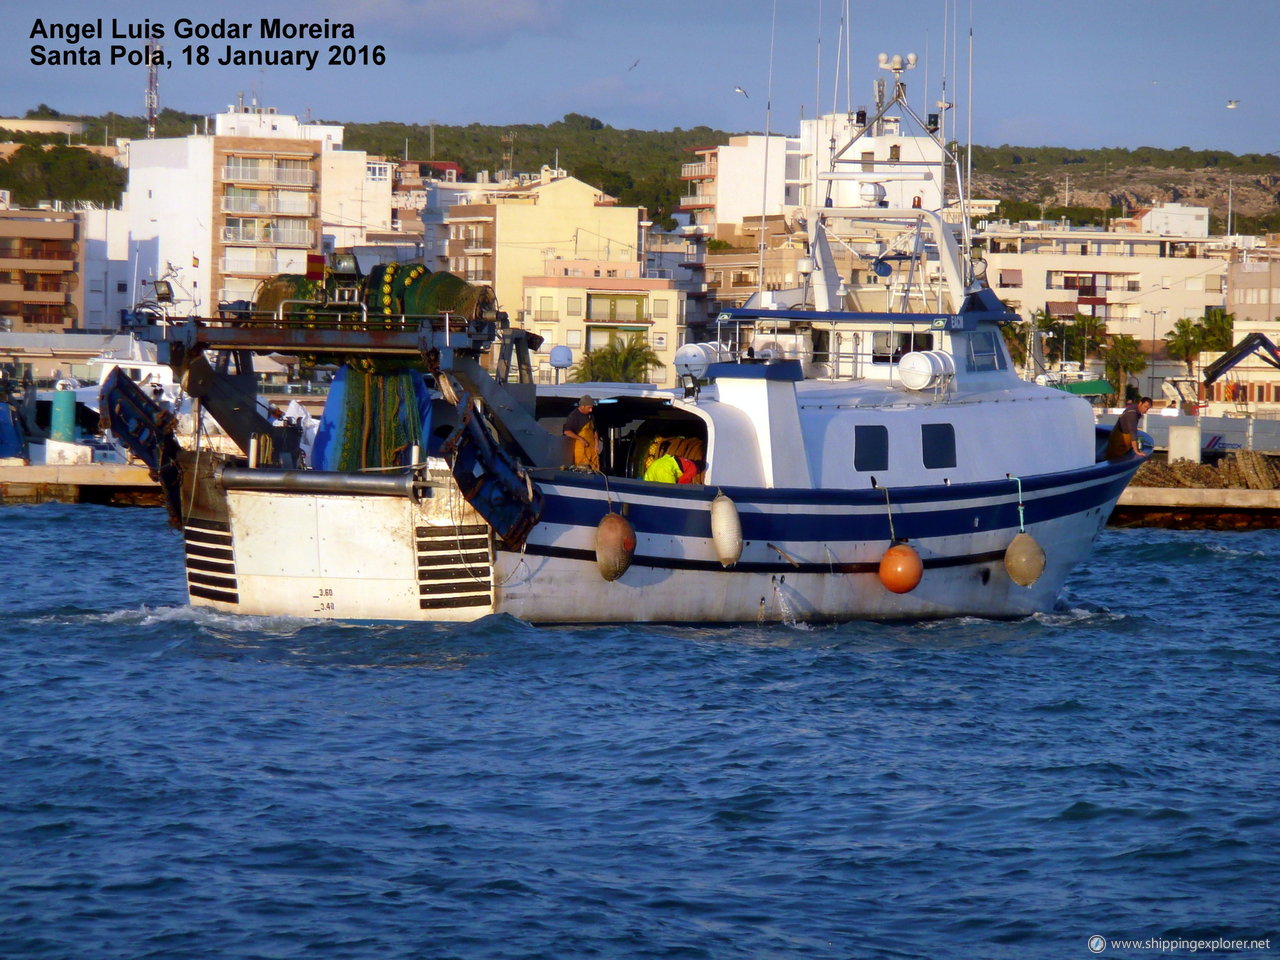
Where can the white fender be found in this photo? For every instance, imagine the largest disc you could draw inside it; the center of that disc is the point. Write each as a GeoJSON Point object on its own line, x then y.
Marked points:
{"type": "Point", "coordinates": [615, 545]}
{"type": "Point", "coordinates": [726, 530]}
{"type": "Point", "coordinates": [1024, 560]}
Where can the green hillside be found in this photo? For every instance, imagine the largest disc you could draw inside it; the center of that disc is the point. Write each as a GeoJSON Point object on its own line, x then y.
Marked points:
{"type": "Point", "coordinates": [642, 167]}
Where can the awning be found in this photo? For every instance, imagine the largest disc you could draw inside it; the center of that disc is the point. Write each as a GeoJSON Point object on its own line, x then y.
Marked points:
{"type": "Point", "coordinates": [1061, 308]}
{"type": "Point", "coordinates": [1010, 278]}
{"type": "Point", "coordinates": [1087, 388]}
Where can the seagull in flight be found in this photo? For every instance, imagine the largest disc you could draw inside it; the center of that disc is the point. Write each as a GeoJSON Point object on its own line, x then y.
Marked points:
{"type": "Point", "coordinates": [1231, 104]}
{"type": "Point", "coordinates": [634, 65]}
{"type": "Point", "coordinates": [741, 91]}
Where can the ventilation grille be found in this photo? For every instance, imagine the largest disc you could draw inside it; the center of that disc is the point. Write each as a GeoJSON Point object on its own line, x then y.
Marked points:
{"type": "Point", "coordinates": [211, 561]}
{"type": "Point", "coordinates": [455, 567]}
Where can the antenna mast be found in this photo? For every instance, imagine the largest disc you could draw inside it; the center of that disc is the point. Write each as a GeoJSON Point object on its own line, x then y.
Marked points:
{"type": "Point", "coordinates": [153, 87]}
{"type": "Point", "coordinates": [509, 153]}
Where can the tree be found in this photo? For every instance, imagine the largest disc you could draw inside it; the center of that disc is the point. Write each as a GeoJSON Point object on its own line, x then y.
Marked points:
{"type": "Point", "coordinates": [619, 361]}
{"type": "Point", "coordinates": [35, 174]}
{"type": "Point", "coordinates": [1218, 329]}
{"type": "Point", "coordinates": [1122, 358]}
{"type": "Point", "coordinates": [1090, 333]}
{"type": "Point", "coordinates": [1015, 339]}
{"type": "Point", "coordinates": [1052, 336]}
{"type": "Point", "coordinates": [1185, 341]}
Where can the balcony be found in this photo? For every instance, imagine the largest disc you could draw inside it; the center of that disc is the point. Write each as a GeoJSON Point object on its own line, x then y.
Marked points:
{"type": "Point", "coordinates": [29, 293]}
{"type": "Point", "coordinates": [263, 266]}
{"type": "Point", "coordinates": [287, 205]}
{"type": "Point", "coordinates": [265, 174]}
{"type": "Point", "coordinates": [697, 171]}
{"type": "Point", "coordinates": [698, 200]}
{"type": "Point", "coordinates": [49, 258]}
{"type": "Point", "coordinates": [274, 235]}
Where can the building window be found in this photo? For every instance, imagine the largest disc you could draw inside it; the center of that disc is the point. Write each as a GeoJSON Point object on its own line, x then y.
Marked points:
{"type": "Point", "coordinates": [659, 308]}
{"type": "Point", "coordinates": [573, 306]}
{"type": "Point", "coordinates": [599, 336]}
{"type": "Point", "coordinates": [618, 309]}
{"type": "Point", "coordinates": [573, 338]}
{"type": "Point", "coordinates": [938, 445]}
{"type": "Point", "coordinates": [870, 448]}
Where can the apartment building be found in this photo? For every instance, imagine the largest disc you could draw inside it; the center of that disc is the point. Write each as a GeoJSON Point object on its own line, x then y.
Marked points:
{"type": "Point", "coordinates": [219, 212]}
{"type": "Point", "coordinates": [585, 304]}
{"type": "Point", "coordinates": [1138, 283]}
{"type": "Point", "coordinates": [1253, 299]}
{"type": "Point", "coordinates": [507, 232]}
{"type": "Point", "coordinates": [41, 268]}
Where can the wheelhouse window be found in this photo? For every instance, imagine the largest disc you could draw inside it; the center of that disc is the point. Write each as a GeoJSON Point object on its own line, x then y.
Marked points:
{"type": "Point", "coordinates": [983, 352]}
{"type": "Point", "coordinates": [890, 346]}
{"type": "Point", "coordinates": [870, 448]}
{"type": "Point", "coordinates": [938, 445]}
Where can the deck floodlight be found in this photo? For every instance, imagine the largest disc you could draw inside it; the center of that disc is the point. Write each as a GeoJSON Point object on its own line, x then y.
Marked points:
{"type": "Point", "coordinates": [344, 266]}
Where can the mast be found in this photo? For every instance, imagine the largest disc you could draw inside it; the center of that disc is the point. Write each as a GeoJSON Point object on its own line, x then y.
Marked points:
{"type": "Point", "coordinates": [153, 87]}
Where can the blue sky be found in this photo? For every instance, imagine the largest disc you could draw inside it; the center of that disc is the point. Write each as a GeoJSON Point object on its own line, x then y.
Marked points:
{"type": "Point", "coordinates": [1085, 73]}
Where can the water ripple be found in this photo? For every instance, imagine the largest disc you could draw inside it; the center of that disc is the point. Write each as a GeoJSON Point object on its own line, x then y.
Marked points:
{"type": "Point", "coordinates": [180, 783]}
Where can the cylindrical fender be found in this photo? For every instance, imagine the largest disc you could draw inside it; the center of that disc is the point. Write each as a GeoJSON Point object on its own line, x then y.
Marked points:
{"type": "Point", "coordinates": [1024, 560]}
{"type": "Point", "coordinates": [726, 530]}
{"type": "Point", "coordinates": [615, 545]}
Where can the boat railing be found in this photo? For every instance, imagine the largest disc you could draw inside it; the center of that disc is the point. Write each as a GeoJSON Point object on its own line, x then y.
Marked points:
{"type": "Point", "coordinates": [314, 315]}
{"type": "Point", "coordinates": [315, 328]}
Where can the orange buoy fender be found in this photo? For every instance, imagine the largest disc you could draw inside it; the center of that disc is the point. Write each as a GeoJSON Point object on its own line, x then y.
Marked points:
{"type": "Point", "coordinates": [900, 568]}
{"type": "Point", "coordinates": [726, 530]}
{"type": "Point", "coordinates": [1024, 560]}
{"type": "Point", "coordinates": [615, 545]}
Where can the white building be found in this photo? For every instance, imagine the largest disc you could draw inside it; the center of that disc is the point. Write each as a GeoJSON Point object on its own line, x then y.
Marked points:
{"type": "Point", "coordinates": [754, 176]}
{"type": "Point", "coordinates": [227, 209]}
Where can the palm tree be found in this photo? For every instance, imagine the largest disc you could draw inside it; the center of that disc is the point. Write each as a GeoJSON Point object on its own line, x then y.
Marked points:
{"type": "Point", "coordinates": [1015, 338]}
{"type": "Point", "coordinates": [1051, 339]}
{"type": "Point", "coordinates": [1090, 335]}
{"type": "Point", "coordinates": [1121, 358]}
{"type": "Point", "coordinates": [1185, 341]}
{"type": "Point", "coordinates": [618, 361]}
{"type": "Point", "coordinates": [1218, 329]}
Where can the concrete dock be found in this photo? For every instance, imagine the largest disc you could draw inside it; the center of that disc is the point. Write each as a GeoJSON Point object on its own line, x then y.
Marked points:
{"type": "Point", "coordinates": [107, 483]}
{"type": "Point", "coordinates": [1186, 508]}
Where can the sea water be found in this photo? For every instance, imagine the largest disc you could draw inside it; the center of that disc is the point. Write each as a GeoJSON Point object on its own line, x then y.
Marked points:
{"type": "Point", "coordinates": [181, 784]}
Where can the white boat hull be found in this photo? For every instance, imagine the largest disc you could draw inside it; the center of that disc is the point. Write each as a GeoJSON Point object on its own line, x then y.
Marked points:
{"type": "Point", "coordinates": [807, 555]}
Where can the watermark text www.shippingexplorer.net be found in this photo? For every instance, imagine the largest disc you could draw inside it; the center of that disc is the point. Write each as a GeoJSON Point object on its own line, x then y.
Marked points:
{"type": "Point", "coordinates": [1100, 944]}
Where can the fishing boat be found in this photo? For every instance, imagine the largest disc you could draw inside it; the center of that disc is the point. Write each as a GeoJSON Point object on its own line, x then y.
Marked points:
{"type": "Point", "coordinates": [864, 449]}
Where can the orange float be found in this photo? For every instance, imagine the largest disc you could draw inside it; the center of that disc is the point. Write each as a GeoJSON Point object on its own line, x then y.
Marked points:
{"type": "Point", "coordinates": [901, 568]}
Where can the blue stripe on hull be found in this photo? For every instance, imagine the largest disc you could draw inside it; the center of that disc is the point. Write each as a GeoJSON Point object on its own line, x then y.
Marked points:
{"type": "Point", "coordinates": [685, 514]}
